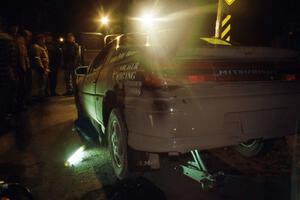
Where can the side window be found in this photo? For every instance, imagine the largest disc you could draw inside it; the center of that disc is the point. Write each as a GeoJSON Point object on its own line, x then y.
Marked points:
{"type": "Point", "coordinates": [100, 59]}
{"type": "Point", "coordinates": [118, 55]}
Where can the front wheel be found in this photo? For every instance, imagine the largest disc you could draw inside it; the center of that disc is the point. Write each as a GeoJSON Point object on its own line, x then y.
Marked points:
{"type": "Point", "coordinates": [250, 148]}
{"type": "Point", "coordinates": [117, 143]}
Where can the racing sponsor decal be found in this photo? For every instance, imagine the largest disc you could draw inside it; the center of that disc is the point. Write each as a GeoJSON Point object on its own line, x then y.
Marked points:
{"type": "Point", "coordinates": [118, 55]}
{"type": "Point", "coordinates": [124, 76]}
{"type": "Point", "coordinates": [128, 67]}
{"type": "Point", "coordinates": [121, 54]}
{"type": "Point", "coordinates": [230, 72]}
{"type": "Point", "coordinates": [126, 72]}
{"type": "Point", "coordinates": [248, 72]}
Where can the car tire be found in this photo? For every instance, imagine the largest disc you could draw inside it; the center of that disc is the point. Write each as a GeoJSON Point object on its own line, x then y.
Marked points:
{"type": "Point", "coordinates": [117, 143]}
{"type": "Point", "coordinates": [250, 148]}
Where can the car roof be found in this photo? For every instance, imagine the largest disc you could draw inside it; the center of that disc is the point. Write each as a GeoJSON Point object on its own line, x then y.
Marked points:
{"type": "Point", "coordinates": [144, 40]}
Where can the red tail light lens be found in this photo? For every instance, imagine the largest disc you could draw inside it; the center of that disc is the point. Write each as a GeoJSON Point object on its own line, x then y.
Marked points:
{"type": "Point", "coordinates": [153, 81]}
{"type": "Point", "coordinates": [289, 77]}
{"type": "Point", "coordinates": [193, 79]}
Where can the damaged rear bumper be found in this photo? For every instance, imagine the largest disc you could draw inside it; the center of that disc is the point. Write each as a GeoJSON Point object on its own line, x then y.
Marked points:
{"type": "Point", "coordinates": [183, 123]}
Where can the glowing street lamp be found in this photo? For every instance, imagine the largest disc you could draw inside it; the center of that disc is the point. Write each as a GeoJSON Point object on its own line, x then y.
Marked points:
{"type": "Point", "coordinates": [104, 20]}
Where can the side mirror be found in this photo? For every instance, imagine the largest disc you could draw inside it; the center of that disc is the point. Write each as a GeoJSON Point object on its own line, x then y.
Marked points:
{"type": "Point", "coordinates": [81, 71]}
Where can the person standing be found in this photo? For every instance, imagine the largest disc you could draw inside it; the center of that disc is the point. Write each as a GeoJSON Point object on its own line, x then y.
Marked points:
{"type": "Point", "coordinates": [22, 69]}
{"type": "Point", "coordinates": [55, 56]}
{"type": "Point", "coordinates": [8, 76]}
{"type": "Point", "coordinates": [27, 35]}
{"type": "Point", "coordinates": [40, 66]}
{"type": "Point", "coordinates": [70, 62]}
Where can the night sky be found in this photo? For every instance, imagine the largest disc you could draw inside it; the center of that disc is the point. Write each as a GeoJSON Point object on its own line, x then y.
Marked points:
{"type": "Point", "coordinates": [258, 20]}
{"type": "Point", "coordinates": [54, 15]}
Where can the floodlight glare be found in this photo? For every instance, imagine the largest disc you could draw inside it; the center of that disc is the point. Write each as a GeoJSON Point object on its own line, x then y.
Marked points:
{"type": "Point", "coordinates": [147, 20]}
{"type": "Point", "coordinates": [104, 20]}
{"type": "Point", "coordinates": [76, 157]}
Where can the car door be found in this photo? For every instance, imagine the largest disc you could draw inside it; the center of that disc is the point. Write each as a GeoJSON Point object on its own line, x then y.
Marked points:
{"type": "Point", "coordinates": [89, 85]}
{"type": "Point", "coordinates": [103, 82]}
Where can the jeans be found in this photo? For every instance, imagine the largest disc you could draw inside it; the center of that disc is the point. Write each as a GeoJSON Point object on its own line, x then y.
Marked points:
{"type": "Point", "coordinates": [39, 82]}
{"type": "Point", "coordinates": [28, 80]}
{"type": "Point", "coordinates": [69, 75]}
{"type": "Point", "coordinates": [53, 80]}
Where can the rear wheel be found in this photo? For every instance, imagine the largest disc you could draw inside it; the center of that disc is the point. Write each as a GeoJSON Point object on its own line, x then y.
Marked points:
{"type": "Point", "coordinates": [250, 148]}
{"type": "Point", "coordinates": [117, 143]}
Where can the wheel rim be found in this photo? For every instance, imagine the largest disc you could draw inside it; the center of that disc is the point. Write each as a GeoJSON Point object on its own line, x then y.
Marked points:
{"type": "Point", "coordinates": [116, 143]}
{"type": "Point", "coordinates": [249, 143]}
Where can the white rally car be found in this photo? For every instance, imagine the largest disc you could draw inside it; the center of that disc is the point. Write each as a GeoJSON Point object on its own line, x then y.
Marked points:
{"type": "Point", "coordinates": [212, 95]}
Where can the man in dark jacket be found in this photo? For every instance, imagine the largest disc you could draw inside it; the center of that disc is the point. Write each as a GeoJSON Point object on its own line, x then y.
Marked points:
{"type": "Point", "coordinates": [27, 35]}
{"type": "Point", "coordinates": [70, 61]}
{"type": "Point", "coordinates": [23, 67]}
{"type": "Point", "coordinates": [55, 59]}
{"type": "Point", "coordinates": [8, 75]}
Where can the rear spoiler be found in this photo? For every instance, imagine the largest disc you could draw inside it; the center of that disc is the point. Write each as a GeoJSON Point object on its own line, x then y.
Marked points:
{"type": "Point", "coordinates": [110, 37]}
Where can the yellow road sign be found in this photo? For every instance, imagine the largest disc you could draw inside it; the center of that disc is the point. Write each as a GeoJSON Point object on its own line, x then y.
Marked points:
{"type": "Point", "coordinates": [229, 2]}
{"type": "Point", "coordinates": [225, 20]}
{"type": "Point", "coordinates": [224, 33]}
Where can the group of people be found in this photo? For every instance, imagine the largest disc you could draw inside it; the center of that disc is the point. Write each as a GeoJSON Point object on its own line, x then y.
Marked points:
{"type": "Point", "coordinates": [29, 67]}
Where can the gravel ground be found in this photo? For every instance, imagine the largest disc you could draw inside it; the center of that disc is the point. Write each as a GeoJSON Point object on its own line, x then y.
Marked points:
{"type": "Point", "coordinates": [36, 154]}
{"type": "Point", "coordinates": [48, 141]}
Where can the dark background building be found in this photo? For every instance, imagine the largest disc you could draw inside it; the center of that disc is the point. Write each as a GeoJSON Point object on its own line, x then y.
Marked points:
{"type": "Point", "coordinates": [255, 22]}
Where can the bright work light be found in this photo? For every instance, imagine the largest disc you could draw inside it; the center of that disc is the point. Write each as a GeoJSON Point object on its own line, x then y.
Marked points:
{"type": "Point", "coordinates": [76, 157]}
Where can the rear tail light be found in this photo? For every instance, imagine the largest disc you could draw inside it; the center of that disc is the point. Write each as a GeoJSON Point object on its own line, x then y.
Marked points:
{"type": "Point", "coordinates": [193, 79]}
{"type": "Point", "coordinates": [157, 81]}
{"type": "Point", "coordinates": [154, 81]}
{"type": "Point", "coordinates": [289, 77]}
